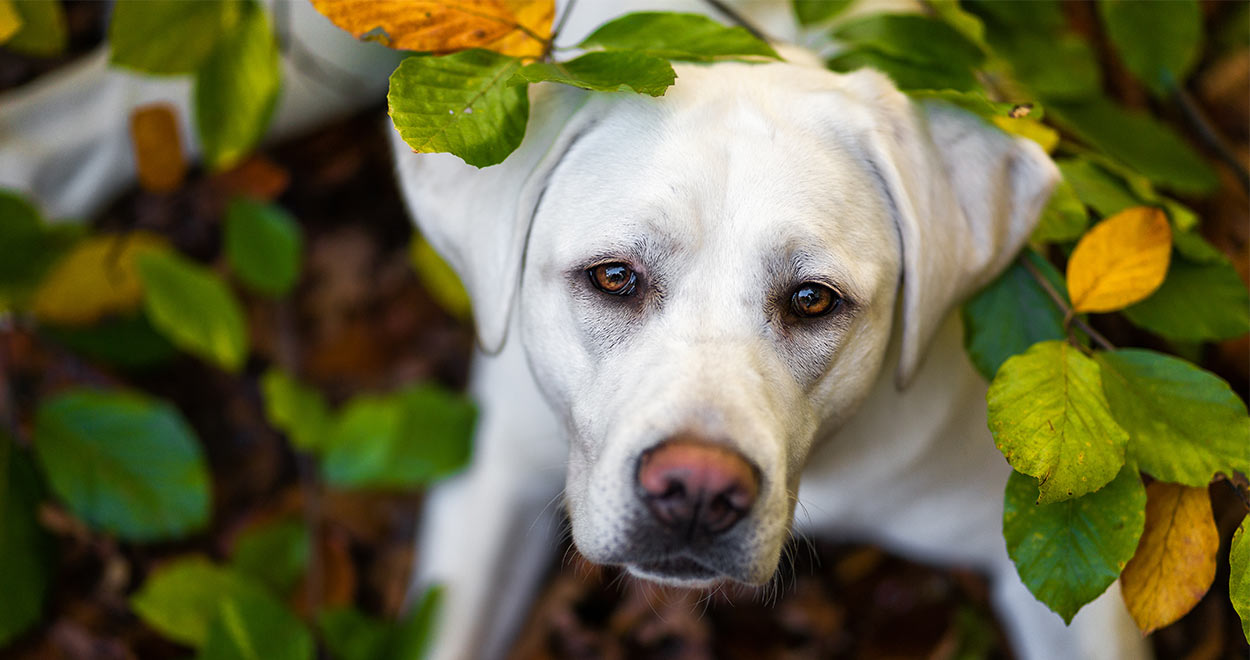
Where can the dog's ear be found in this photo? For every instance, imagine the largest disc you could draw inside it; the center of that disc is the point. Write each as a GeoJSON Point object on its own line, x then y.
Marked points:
{"type": "Point", "coordinates": [479, 219]}
{"type": "Point", "coordinates": [965, 197]}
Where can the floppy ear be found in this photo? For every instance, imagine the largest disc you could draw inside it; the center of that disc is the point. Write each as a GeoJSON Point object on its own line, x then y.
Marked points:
{"type": "Point", "coordinates": [479, 219]}
{"type": "Point", "coordinates": [965, 196]}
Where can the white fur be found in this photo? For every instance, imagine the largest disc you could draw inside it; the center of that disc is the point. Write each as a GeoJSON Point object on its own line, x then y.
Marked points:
{"type": "Point", "coordinates": [737, 169]}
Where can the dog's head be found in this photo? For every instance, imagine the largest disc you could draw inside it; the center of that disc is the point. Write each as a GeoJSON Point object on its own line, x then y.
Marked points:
{"type": "Point", "coordinates": [705, 280]}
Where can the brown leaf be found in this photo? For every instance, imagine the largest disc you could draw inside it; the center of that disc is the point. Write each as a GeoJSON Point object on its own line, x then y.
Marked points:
{"type": "Point", "coordinates": [159, 156]}
{"type": "Point", "coordinates": [446, 26]}
{"type": "Point", "coordinates": [257, 177]}
{"type": "Point", "coordinates": [1122, 260]}
{"type": "Point", "coordinates": [1175, 560]}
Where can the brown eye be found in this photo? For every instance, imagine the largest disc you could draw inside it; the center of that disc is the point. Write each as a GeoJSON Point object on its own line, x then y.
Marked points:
{"type": "Point", "coordinates": [614, 278]}
{"type": "Point", "coordinates": [814, 299]}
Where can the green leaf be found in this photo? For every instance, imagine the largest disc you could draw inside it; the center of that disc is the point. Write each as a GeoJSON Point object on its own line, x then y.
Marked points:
{"type": "Point", "coordinates": [30, 247]}
{"type": "Point", "coordinates": [253, 625]}
{"type": "Point", "coordinates": [1239, 575]}
{"type": "Point", "coordinates": [975, 101]}
{"type": "Point", "coordinates": [676, 36]}
{"type": "Point", "coordinates": [44, 31]}
{"type": "Point", "coordinates": [1064, 218]}
{"type": "Point", "coordinates": [1197, 302]}
{"type": "Point", "coordinates": [236, 89]}
{"type": "Point", "coordinates": [1196, 249]}
{"type": "Point", "coordinates": [606, 71]}
{"type": "Point", "coordinates": [1096, 187]}
{"type": "Point", "coordinates": [180, 599]}
{"type": "Point", "coordinates": [965, 22]}
{"type": "Point", "coordinates": [1067, 553]}
{"type": "Point", "coordinates": [1184, 424]}
{"type": "Point", "coordinates": [1158, 41]}
{"type": "Point", "coordinates": [168, 37]}
{"type": "Point", "coordinates": [911, 38]}
{"type": "Point", "coordinates": [1033, 38]}
{"type": "Point", "coordinates": [264, 244]}
{"type": "Point", "coordinates": [460, 104]}
{"type": "Point", "coordinates": [907, 75]}
{"type": "Point", "coordinates": [439, 279]}
{"type": "Point", "coordinates": [1012, 314]}
{"type": "Point", "coordinates": [26, 551]}
{"type": "Point", "coordinates": [1139, 141]}
{"type": "Point", "coordinates": [351, 635]}
{"type": "Point", "coordinates": [274, 554]}
{"type": "Point", "coordinates": [401, 440]}
{"type": "Point", "coordinates": [124, 463]}
{"type": "Point", "coordinates": [417, 630]}
{"type": "Point", "coordinates": [125, 341]}
{"type": "Point", "coordinates": [812, 12]}
{"type": "Point", "coordinates": [1051, 420]}
{"type": "Point", "coordinates": [297, 410]}
{"type": "Point", "coordinates": [194, 308]}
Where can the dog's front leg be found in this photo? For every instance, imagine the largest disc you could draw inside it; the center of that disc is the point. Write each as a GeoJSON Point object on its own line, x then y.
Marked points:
{"type": "Point", "coordinates": [488, 534]}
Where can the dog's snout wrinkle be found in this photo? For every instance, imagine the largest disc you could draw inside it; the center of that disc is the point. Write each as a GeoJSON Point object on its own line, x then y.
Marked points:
{"type": "Point", "coordinates": [695, 488]}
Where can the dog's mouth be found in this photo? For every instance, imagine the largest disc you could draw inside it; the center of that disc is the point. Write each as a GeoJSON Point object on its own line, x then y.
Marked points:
{"type": "Point", "coordinates": [677, 570]}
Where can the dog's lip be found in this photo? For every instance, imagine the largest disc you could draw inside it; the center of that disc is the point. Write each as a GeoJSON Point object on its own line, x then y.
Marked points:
{"type": "Point", "coordinates": [677, 567]}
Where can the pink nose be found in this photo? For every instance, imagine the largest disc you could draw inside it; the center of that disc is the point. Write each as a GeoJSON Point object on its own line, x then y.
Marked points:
{"type": "Point", "coordinates": [696, 487]}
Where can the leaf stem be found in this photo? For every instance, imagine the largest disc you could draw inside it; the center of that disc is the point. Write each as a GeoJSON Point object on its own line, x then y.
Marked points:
{"type": "Point", "coordinates": [1209, 135]}
{"type": "Point", "coordinates": [1069, 315]}
{"type": "Point", "coordinates": [734, 16]}
{"type": "Point", "coordinates": [555, 34]}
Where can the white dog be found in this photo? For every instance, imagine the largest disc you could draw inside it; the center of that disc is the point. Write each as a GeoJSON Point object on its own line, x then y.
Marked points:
{"type": "Point", "coordinates": [713, 304]}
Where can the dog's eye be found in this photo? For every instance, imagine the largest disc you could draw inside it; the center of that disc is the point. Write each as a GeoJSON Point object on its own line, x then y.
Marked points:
{"type": "Point", "coordinates": [615, 278]}
{"type": "Point", "coordinates": [814, 299]}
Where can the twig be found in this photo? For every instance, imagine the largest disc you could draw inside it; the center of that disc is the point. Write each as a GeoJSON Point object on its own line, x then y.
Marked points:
{"type": "Point", "coordinates": [734, 16]}
{"type": "Point", "coordinates": [1069, 316]}
{"type": "Point", "coordinates": [1209, 135]}
{"type": "Point", "coordinates": [555, 34]}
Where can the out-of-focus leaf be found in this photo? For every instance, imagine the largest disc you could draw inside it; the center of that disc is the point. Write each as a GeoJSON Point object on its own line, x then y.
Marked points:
{"type": "Point", "coordinates": [676, 36]}
{"type": "Point", "coordinates": [30, 247]}
{"type": "Point", "coordinates": [1239, 575]}
{"type": "Point", "coordinates": [297, 410]}
{"type": "Point", "coordinates": [351, 635]}
{"type": "Point", "coordinates": [460, 104]}
{"type": "Point", "coordinates": [417, 630]}
{"type": "Point", "coordinates": [253, 625]}
{"type": "Point", "coordinates": [1197, 302]}
{"type": "Point", "coordinates": [968, 24]}
{"type": "Point", "coordinates": [264, 245]}
{"type": "Point", "coordinates": [975, 101]}
{"type": "Point", "coordinates": [157, 145]}
{"type": "Point", "coordinates": [1184, 424]}
{"type": "Point", "coordinates": [194, 308]}
{"type": "Point", "coordinates": [1064, 218]}
{"type": "Point", "coordinates": [1012, 314]}
{"type": "Point", "coordinates": [446, 26]}
{"type": "Point", "coordinates": [401, 440]}
{"type": "Point", "coordinates": [1159, 41]}
{"type": "Point", "coordinates": [274, 554]}
{"type": "Point", "coordinates": [96, 278]}
{"type": "Point", "coordinates": [126, 341]}
{"type": "Point", "coordinates": [1140, 142]}
{"type": "Point", "coordinates": [10, 20]}
{"type": "Point", "coordinates": [1122, 260]}
{"type": "Point", "coordinates": [43, 32]}
{"type": "Point", "coordinates": [168, 37]}
{"type": "Point", "coordinates": [26, 551]}
{"type": "Point", "coordinates": [1051, 420]}
{"type": "Point", "coordinates": [124, 463]}
{"type": "Point", "coordinates": [912, 38]}
{"type": "Point", "coordinates": [1067, 553]}
{"type": "Point", "coordinates": [1097, 188]}
{"type": "Point", "coordinates": [236, 89]}
{"type": "Point", "coordinates": [439, 279]}
{"type": "Point", "coordinates": [1046, 137]}
{"type": "Point", "coordinates": [1196, 249]}
{"type": "Point", "coordinates": [907, 75]}
{"type": "Point", "coordinates": [1033, 38]}
{"type": "Point", "coordinates": [813, 12]}
{"type": "Point", "coordinates": [180, 599]}
{"type": "Point", "coordinates": [606, 71]}
{"type": "Point", "coordinates": [1175, 560]}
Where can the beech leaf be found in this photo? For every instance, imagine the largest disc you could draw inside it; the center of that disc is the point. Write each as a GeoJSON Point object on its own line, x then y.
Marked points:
{"type": "Point", "coordinates": [446, 26]}
{"type": "Point", "coordinates": [1122, 260]}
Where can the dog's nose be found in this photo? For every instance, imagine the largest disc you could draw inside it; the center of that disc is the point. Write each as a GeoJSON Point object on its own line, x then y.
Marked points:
{"type": "Point", "coordinates": [695, 487]}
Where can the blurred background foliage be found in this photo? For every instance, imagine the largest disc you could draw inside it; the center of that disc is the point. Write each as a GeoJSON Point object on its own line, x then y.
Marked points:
{"type": "Point", "coordinates": [223, 394]}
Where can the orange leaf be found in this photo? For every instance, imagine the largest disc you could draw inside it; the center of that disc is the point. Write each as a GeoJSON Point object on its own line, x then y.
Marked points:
{"type": "Point", "coordinates": [158, 147]}
{"type": "Point", "coordinates": [1175, 560]}
{"type": "Point", "coordinates": [94, 279]}
{"type": "Point", "coordinates": [257, 177]}
{"type": "Point", "coordinates": [446, 26]}
{"type": "Point", "coordinates": [1122, 260]}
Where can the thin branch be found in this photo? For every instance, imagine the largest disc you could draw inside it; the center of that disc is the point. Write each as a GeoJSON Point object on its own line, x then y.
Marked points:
{"type": "Point", "coordinates": [555, 34]}
{"type": "Point", "coordinates": [1209, 135]}
{"type": "Point", "coordinates": [734, 16]}
{"type": "Point", "coordinates": [1069, 315]}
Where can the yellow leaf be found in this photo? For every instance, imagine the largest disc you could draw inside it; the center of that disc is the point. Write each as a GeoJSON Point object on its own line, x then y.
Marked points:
{"type": "Point", "coordinates": [1175, 560]}
{"type": "Point", "coordinates": [10, 20]}
{"type": "Point", "coordinates": [1122, 260]}
{"type": "Point", "coordinates": [446, 26]}
{"type": "Point", "coordinates": [95, 279]}
{"type": "Point", "coordinates": [1032, 129]}
{"type": "Point", "coordinates": [158, 147]}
